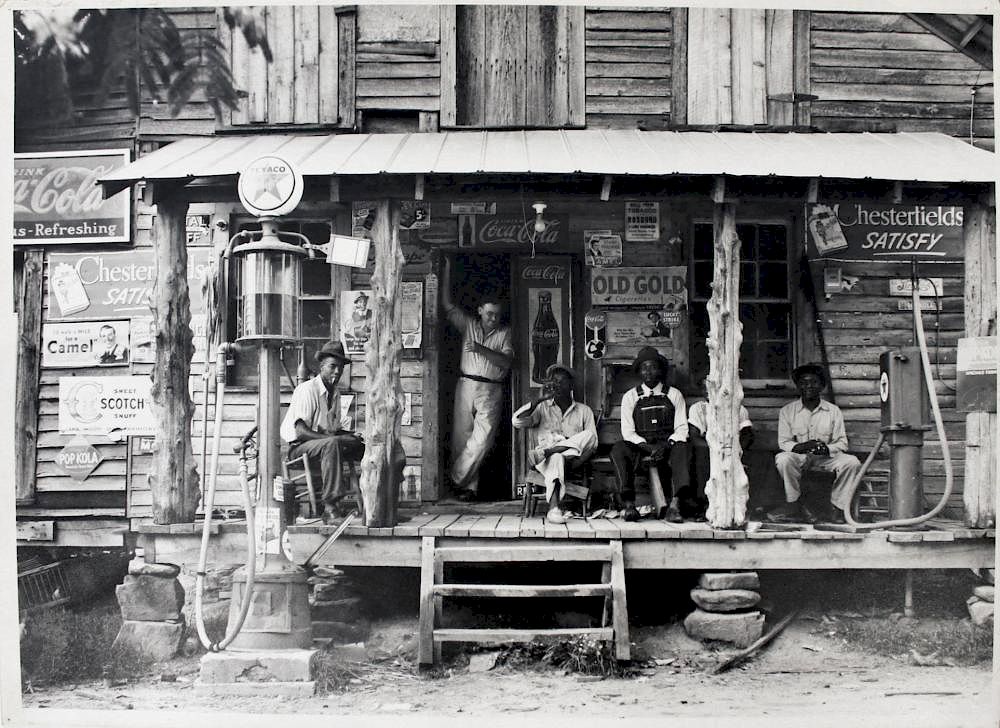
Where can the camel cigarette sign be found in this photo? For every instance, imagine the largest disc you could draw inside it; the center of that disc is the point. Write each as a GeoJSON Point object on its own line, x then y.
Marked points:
{"type": "Point", "coordinates": [57, 198]}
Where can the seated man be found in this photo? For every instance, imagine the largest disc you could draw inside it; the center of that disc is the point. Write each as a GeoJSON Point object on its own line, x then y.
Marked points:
{"type": "Point", "coordinates": [693, 502]}
{"type": "Point", "coordinates": [811, 436]}
{"type": "Point", "coordinates": [312, 426]}
{"type": "Point", "coordinates": [654, 424]}
{"type": "Point", "coordinates": [564, 434]}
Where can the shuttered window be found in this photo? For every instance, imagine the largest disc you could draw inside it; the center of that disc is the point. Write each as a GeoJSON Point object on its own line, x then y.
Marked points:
{"type": "Point", "coordinates": [512, 66]}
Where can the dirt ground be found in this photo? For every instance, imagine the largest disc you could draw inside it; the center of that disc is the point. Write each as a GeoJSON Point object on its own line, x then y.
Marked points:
{"type": "Point", "coordinates": [806, 673]}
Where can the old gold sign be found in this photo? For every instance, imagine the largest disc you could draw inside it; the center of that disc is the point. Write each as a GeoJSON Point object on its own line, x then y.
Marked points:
{"type": "Point", "coordinates": [635, 286]}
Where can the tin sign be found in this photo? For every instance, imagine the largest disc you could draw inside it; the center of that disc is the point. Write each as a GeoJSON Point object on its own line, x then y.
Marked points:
{"type": "Point", "coordinates": [106, 405]}
{"type": "Point", "coordinates": [79, 458]}
{"type": "Point", "coordinates": [653, 287]}
{"type": "Point", "coordinates": [57, 198]}
{"type": "Point", "coordinates": [85, 343]}
{"type": "Point", "coordinates": [596, 324]}
{"type": "Point", "coordinates": [269, 186]}
{"type": "Point", "coordinates": [977, 374]}
{"type": "Point", "coordinates": [863, 231]}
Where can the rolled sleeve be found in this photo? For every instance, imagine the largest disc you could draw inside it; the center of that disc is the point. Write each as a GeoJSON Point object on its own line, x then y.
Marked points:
{"type": "Point", "coordinates": [628, 422]}
{"type": "Point", "coordinates": [521, 421]}
{"type": "Point", "coordinates": [680, 433]}
{"type": "Point", "coordinates": [300, 408]}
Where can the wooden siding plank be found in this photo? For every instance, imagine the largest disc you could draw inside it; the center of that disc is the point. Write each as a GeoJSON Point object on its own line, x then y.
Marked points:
{"type": "Point", "coordinates": [628, 87]}
{"type": "Point", "coordinates": [877, 58]}
{"type": "Point", "coordinates": [306, 69]}
{"type": "Point", "coordinates": [258, 76]}
{"type": "Point", "coordinates": [898, 92]}
{"type": "Point", "coordinates": [779, 66]}
{"type": "Point", "coordinates": [505, 79]}
{"type": "Point", "coordinates": [628, 20]}
{"type": "Point", "coordinates": [470, 57]}
{"type": "Point", "coordinates": [922, 41]}
{"type": "Point", "coordinates": [678, 66]}
{"type": "Point", "coordinates": [868, 22]}
{"type": "Point", "coordinates": [448, 75]}
{"type": "Point", "coordinates": [573, 20]}
{"type": "Point", "coordinates": [329, 65]}
{"type": "Point", "coordinates": [634, 71]}
{"type": "Point", "coordinates": [346, 51]}
{"type": "Point", "coordinates": [392, 87]}
{"type": "Point", "coordinates": [633, 104]}
{"type": "Point", "coordinates": [709, 80]}
{"type": "Point", "coordinates": [238, 71]}
{"type": "Point", "coordinates": [26, 387]}
{"type": "Point", "coordinates": [619, 55]}
{"type": "Point", "coordinates": [747, 60]}
{"type": "Point", "coordinates": [367, 69]}
{"type": "Point", "coordinates": [281, 71]}
{"type": "Point", "coordinates": [541, 91]}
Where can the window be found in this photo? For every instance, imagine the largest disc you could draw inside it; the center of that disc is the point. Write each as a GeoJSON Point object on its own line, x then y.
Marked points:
{"type": "Point", "coordinates": [765, 300]}
{"type": "Point", "coordinates": [318, 305]}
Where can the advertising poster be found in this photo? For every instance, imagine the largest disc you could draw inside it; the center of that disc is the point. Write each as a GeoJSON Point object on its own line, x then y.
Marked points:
{"type": "Point", "coordinates": [977, 374]}
{"type": "Point", "coordinates": [355, 322]}
{"type": "Point", "coordinates": [57, 200]}
{"type": "Point", "coordinates": [85, 344]}
{"type": "Point", "coordinates": [414, 214]}
{"type": "Point", "coordinates": [78, 459]}
{"type": "Point", "coordinates": [865, 231]}
{"type": "Point", "coordinates": [412, 293]}
{"type": "Point", "coordinates": [362, 218]}
{"type": "Point", "coordinates": [544, 308]}
{"type": "Point", "coordinates": [100, 285]}
{"type": "Point", "coordinates": [642, 222]}
{"type": "Point", "coordinates": [106, 405]}
{"type": "Point", "coordinates": [638, 327]}
{"type": "Point", "coordinates": [596, 324]}
{"type": "Point", "coordinates": [143, 338]}
{"type": "Point", "coordinates": [655, 288]}
{"type": "Point", "coordinates": [602, 248]}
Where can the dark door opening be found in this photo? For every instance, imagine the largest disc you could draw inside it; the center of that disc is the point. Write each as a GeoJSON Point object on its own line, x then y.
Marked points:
{"type": "Point", "coordinates": [473, 276]}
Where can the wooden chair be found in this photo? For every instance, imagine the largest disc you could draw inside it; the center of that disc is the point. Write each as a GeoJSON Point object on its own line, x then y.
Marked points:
{"type": "Point", "coordinates": [293, 494]}
{"type": "Point", "coordinates": [578, 488]}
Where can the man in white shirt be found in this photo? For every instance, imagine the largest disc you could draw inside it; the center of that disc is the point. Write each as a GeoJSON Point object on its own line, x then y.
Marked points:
{"type": "Point", "coordinates": [487, 355]}
{"type": "Point", "coordinates": [811, 436]}
{"type": "Point", "coordinates": [562, 433]}
{"type": "Point", "coordinates": [312, 425]}
{"type": "Point", "coordinates": [654, 424]}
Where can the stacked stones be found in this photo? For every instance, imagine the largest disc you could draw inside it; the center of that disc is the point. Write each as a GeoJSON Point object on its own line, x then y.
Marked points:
{"type": "Point", "coordinates": [725, 609]}
{"type": "Point", "coordinates": [335, 607]}
{"type": "Point", "coordinates": [981, 601]}
{"type": "Point", "coordinates": [151, 599]}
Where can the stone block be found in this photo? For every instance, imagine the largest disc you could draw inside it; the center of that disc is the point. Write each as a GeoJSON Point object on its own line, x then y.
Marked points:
{"type": "Point", "coordinates": [304, 689]}
{"type": "Point", "coordinates": [264, 666]}
{"type": "Point", "coordinates": [730, 580]}
{"type": "Point", "coordinates": [725, 600]}
{"type": "Point", "coordinates": [330, 592]}
{"type": "Point", "coordinates": [138, 567]}
{"type": "Point", "coordinates": [325, 572]}
{"type": "Point", "coordinates": [157, 641]}
{"type": "Point", "coordinates": [985, 593]}
{"type": "Point", "coordinates": [344, 632]}
{"type": "Point", "coordinates": [150, 598]}
{"type": "Point", "coordinates": [989, 576]}
{"type": "Point", "coordinates": [741, 629]}
{"type": "Point", "coordinates": [981, 612]}
{"type": "Point", "coordinates": [337, 610]}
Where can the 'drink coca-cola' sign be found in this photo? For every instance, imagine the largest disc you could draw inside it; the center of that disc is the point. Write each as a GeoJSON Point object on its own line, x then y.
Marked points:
{"type": "Point", "coordinates": [57, 198]}
{"type": "Point", "coordinates": [543, 298]}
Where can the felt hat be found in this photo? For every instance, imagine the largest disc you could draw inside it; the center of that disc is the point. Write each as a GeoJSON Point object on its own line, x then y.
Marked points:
{"type": "Point", "coordinates": [557, 367]}
{"type": "Point", "coordinates": [649, 353]}
{"type": "Point", "coordinates": [332, 349]}
{"type": "Point", "coordinates": [810, 368]}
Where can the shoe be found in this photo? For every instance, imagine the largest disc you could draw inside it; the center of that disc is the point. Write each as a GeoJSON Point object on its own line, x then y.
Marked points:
{"type": "Point", "coordinates": [555, 516]}
{"type": "Point", "coordinates": [630, 514]}
{"type": "Point", "coordinates": [836, 516]}
{"type": "Point", "coordinates": [467, 496]}
{"type": "Point", "coordinates": [672, 515]}
{"type": "Point", "coordinates": [787, 513]}
{"type": "Point", "coordinates": [811, 516]}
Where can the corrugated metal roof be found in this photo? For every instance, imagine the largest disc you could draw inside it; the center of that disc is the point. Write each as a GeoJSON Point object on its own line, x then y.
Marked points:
{"type": "Point", "coordinates": [911, 156]}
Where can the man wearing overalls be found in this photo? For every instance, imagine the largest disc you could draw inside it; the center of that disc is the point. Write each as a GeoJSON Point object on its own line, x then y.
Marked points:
{"type": "Point", "coordinates": [654, 425]}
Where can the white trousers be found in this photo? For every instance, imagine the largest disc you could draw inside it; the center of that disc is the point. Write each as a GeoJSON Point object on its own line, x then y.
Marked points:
{"type": "Point", "coordinates": [553, 467]}
{"type": "Point", "coordinates": [474, 428]}
{"type": "Point", "coordinates": [843, 465]}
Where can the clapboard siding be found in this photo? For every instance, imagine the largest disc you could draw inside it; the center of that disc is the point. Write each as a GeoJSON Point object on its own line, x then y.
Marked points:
{"type": "Point", "coordinates": [884, 72]}
{"type": "Point", "coordinates": [404, 78]}
{"type": "Point", "coordinates": [628, 66]}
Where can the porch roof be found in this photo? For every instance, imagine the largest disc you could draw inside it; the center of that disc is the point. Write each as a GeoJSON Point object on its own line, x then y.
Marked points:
{"type": "Point", "coordinates": [907, 156]}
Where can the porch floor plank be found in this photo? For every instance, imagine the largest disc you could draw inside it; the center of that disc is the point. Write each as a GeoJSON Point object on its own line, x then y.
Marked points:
{"type": "Point", "coordinates": [460, 527]}
{"type": "Point", "coordinates": [554, 530]}
{"type": "Point", "coordinates": [603, 528]}
{"type": "Point", "coordinates": [437, 526]}
{"type": "Point", "coordinates": [508, 527]}
{"type": "Point", "coordinates": [485, 527]}
{"type": "Point", "coordinates": [412, 526]}
{"type": "Point", "coordinates": [630, 529]}
{"type": "Point", "coordinates": [661, 529]}
{"type": "Point", "coordinates": [579, 528]}
{"type": "Point", "coordinates": [533, 527]}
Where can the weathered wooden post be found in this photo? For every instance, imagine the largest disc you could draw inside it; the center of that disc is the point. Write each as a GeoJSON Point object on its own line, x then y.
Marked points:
{"type": "Point", "coordinates": [384, 403]}
{"type": "Point", "coordinates": [979, 493]}
{"type": "Point", "coordinates": [173, 478]}
{"type": "Point", "coordinates": [727, 487]}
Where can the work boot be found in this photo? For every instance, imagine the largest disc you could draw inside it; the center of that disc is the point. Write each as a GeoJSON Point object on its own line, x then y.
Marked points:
{"type": "Point", "coordinates": [630, 513]}
{"type": "Point", "coordinates": [671, 513]}
{"type": "Point", "coordinates": [786, 512]}
{"type": "Point", "coordinates": [555, 516]}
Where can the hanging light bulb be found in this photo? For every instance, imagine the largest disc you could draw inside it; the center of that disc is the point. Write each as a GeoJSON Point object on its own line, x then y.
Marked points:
{"type": "Point", "coordinates": [540, 224]}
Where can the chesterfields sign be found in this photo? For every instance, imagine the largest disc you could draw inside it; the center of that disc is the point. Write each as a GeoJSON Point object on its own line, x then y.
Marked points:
{"type": "Point", "coordinates": [57, 198]}
{"type": "Point", "coordinates": [862, 231]}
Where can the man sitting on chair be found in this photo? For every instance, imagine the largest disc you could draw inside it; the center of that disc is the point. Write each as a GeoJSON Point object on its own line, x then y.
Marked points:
{"type": "Point", "coordinates": [312, 426]}
{"type": "Point", "coordinates": [565, 434]}
{"type": "Point", "coordinates": [654, 424]}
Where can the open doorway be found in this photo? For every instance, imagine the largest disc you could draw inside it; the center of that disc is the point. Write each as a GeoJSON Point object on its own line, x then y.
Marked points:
{"type": "Point", "coordinates": [473, 276]}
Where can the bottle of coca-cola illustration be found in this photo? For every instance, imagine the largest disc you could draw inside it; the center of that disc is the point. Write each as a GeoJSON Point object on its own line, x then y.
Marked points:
{"type": "Point", "coordinates": [544, 337]}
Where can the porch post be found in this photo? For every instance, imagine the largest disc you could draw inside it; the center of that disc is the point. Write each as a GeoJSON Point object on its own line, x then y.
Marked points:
{"type": "Point", "coordinates": [727, 484]}
{"type": "Point", "coordinates": [384, 402]}
{"type": "Point", "coordinates": [979, 492]}
{"type": "Point", "coordinates": [173, 478]}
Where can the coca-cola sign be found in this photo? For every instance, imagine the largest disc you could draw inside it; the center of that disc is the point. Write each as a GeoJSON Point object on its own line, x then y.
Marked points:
{"type": "Point", "coordinates": [553, 273]}
{"type": "Point", "coordinates": [57, 198]}
{"type": "Point", "coordinates": [514, 230]}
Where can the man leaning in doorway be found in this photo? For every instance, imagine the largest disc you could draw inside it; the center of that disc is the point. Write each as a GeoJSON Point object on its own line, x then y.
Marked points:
{"type": "Point", "coordinates": [313, 426]}
{"type": "Point", "coordinates": [565, 434]}
{"type": "Point", "coordinates": [654, 425]}
{"type": "Point", "coordinates": [811, 436]}
{"type": "Point", "coordinates": [487, 355]}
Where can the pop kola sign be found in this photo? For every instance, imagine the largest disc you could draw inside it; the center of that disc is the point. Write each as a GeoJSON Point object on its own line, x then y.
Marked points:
{"type": "Point", "coordinates": [79, 458]}
{"type": "Point", "coordinates": [57, 198]}
{"type": "Point", "coordinates": [863, 231]}
{"type": "Point", "coordinates": [106, 406]}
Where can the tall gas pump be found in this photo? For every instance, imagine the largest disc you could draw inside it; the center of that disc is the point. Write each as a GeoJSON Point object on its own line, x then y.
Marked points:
{"type": "Point", "coordinates": [904, 412]}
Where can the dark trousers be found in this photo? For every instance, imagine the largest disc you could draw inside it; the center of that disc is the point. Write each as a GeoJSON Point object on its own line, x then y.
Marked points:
{"type": "Point", "coordinates": [627, 459]}
{"type": "Point", "coordinates": [331, 452]}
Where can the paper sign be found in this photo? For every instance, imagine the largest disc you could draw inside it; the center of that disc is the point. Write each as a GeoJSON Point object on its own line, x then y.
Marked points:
{"type": "Point", "coordinates": [412, 295]}
{"type": "Point", "coordinates": [977, 374]}
{"type": "Point", "coordinates": [642, 222]}
{"type": "Point", "coordinates": [407, 418]}
{"type": "Point", "coordinates": [653, 287]}
{"type": "Point", "coordinates": [928, 288]}
{"type": "Point", "coordinates": [79, 458]}
{"type": "Point", "coordinates": [355, 322]}
{"type": "Point", "coordinates": [596, 323]}
{"type": "Point", "coordinates": [602, 247]}
{"type": "Point", "coordinates": [106, 405]}
{"type": "Point", "coordinates": [637, 326]}
{"type": "Point", "coordinates": [85, 344]}
{"type": "Point", "coordinates": [143, 338]}
{"type": "Point", "coordinates": [414, 214]}
{"type": "Point", "coordinates": [473, 208]}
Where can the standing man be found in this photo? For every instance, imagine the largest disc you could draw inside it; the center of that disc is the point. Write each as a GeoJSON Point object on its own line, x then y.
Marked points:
{"type": "Point", "coordinates": [312, 426]}
{"type": "Point", "coordinates": [811, 436]}
{"type": "Point", "coordinates": [654, 424]}
{"type": "Point", "coordinates": [487, 355]}
{"type": "Point", "coordinates": [565, 434]}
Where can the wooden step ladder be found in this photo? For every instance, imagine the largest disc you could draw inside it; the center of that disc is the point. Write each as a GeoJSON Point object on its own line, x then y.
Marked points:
{"type": "Point", "coordinates": [614, 620]}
